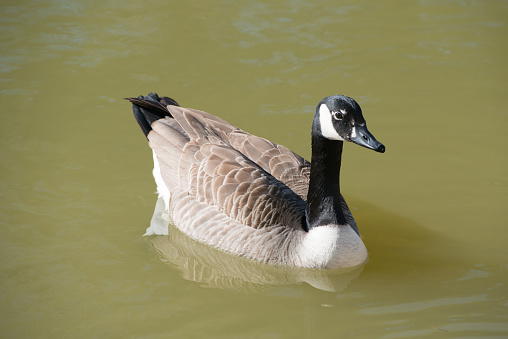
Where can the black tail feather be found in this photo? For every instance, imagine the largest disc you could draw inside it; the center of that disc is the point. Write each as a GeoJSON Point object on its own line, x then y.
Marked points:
{"type": "Point", "coordinates": [149, 109]}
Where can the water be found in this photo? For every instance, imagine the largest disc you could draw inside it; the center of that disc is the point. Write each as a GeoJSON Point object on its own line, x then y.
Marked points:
{"type": "Point", "coordinates": [77, 192]}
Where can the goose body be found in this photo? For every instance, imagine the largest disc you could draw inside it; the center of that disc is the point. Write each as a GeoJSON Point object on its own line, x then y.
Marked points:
{"type": "Point", "coordinates": [251, 197]}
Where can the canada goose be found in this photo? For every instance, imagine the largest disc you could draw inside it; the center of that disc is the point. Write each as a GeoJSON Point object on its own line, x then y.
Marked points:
{"type": "Point", "coordinates": [252, 197]}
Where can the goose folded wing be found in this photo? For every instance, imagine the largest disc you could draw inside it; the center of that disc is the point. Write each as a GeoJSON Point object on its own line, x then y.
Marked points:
{"type": "Point", "coordinates": [242, 190]}
{"type": "Point", "coordinates": [282, 163]}
{"type": "Point", "coordinates": [211, 170]}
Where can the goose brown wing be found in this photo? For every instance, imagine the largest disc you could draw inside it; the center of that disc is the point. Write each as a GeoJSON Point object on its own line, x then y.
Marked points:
{"type": "Point", "coordinates": [282, 163]}
{"type": "Point", "coordinates": [198, 152]}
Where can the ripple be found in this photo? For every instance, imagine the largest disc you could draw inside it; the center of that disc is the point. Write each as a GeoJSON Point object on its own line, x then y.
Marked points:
{"type": "Point", "coordinates": [423, 305]}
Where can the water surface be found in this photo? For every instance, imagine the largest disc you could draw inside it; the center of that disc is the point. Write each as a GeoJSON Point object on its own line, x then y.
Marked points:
{"type": "Point", "coordinates": [77, 192]}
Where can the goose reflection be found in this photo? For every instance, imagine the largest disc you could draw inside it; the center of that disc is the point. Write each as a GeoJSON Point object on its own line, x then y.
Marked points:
{"type": "Point", "coordinates": [214, 268]}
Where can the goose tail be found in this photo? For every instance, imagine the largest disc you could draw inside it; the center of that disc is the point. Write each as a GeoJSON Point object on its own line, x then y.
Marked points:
{"type": "Point", "coordinates": [150, 108]}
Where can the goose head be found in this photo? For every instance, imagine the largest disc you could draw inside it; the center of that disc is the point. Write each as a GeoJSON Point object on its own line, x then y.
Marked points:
{"type": "Point", "coordinates": [339, 117]}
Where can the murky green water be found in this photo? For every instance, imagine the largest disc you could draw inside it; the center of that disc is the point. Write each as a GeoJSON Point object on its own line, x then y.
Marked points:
{"type": "Point", "coordinates": [77, 191]}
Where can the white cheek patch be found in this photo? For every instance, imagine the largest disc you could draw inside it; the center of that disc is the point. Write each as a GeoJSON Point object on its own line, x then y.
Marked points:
{"type": "Point", "coordinates": [353, 132]}
{"type": "Point", "coordinates": [325, 120]}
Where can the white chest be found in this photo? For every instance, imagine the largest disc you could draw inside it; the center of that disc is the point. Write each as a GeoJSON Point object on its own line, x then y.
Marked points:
{"type": "Point", "coordinates": [332, 247]}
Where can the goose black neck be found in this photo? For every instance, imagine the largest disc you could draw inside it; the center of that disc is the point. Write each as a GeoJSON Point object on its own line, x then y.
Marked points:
{"type": "Point", "coordinates": [323, 199]}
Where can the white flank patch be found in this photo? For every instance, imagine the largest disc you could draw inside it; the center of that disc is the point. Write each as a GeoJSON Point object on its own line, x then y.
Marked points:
{"type": "Point", "coordinates": [162, 189]}
{"type": "Point", "coordinates": [325, 120]}
{"type": "Point", "coordinates": [160, 220]}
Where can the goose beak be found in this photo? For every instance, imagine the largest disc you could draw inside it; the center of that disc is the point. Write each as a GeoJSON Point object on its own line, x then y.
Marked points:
{"type": "Point", "coordinates": [361, 136]}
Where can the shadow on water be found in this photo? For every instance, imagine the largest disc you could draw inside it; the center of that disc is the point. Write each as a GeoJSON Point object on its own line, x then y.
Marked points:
{"type": "Point", "coordinates": [394, 243]}
{"type": "Point", "coordinates": [392, 238]}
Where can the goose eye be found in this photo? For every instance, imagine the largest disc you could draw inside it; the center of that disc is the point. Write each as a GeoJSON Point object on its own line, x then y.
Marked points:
{"type": "Point", "coordinates": [338, 115]}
